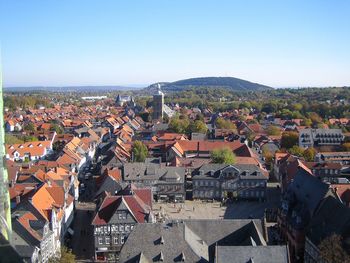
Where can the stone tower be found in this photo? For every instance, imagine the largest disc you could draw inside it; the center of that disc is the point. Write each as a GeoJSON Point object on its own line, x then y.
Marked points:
{"type": "Point", "coordinates": [158, 104]}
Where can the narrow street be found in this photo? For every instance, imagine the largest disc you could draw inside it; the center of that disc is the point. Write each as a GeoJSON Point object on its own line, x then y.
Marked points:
{"type": "Point", "coordinates": [83, 238]}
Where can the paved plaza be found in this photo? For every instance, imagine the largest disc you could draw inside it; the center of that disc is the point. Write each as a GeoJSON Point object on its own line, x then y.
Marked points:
{"type": "Point", "coordinates": [213, 210]}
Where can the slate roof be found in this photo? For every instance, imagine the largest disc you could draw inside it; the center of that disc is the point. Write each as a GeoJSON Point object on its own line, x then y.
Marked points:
{"type": "Point", "coordinates": [177, 241]}
{"type": "Point", "coordinates": [143, 171]}
{"type": "Point", "coordinates": [331, 217]}
{"type": "Point", "coordinates": [145, 239]}
{"type": "Point", "coordinates": [253, 254]}
{"type": "Point", "coordinates": [254, 172]}
{"type": "Point", "coordinates": [308, 189]}
{"type": "Point", "coordinates": [225, 229]}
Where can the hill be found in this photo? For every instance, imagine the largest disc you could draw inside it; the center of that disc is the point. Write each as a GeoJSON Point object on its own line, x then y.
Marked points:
{"type": "Point", "coordinates": [230, 83]}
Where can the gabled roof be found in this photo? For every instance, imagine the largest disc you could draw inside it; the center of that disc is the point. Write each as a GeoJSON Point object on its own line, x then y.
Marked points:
{"type": "Point", "coordinates": [252, 254]}
{"type": "Point", "coordinates": [136, 206]}
{"type": "Point", "coordinates": [188, 240]}
{"type": "Point", "coordinates": [332, 217]}
{"type": "Point", "coordinates": [308, 189]}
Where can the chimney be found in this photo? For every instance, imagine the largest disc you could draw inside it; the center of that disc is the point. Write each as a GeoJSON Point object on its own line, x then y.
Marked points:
{"type": "Point", "coordinates": [197, 148]}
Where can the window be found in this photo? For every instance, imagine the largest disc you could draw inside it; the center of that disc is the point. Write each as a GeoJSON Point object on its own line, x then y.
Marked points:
{"type": "Point", "coordinates": [127, 228]}
{"type": "Point", "coordinates": [122, 239]}
{"type": "Point", "coordinates": [100, 242]}
{"type": "Point", "coordinates": [107, 240]}
{"type": "Point", "coordinates": [121, 228]}
{"type": "Point", "coordinates": [115, 240]}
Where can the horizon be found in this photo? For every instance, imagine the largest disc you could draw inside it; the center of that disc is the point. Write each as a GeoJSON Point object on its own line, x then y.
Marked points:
{"type": "Point", "coordinates": [289, 44]}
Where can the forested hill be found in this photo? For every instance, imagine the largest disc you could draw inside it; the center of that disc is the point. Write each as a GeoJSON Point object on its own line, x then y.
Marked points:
{"type": "Point", "coordinates": [233, 84]}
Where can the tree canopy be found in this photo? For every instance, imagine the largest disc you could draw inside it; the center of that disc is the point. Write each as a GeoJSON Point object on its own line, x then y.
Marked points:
{"type": "Point", "coordinates": [221, 123]}
{"type": "Point", "coordinates": [289, 139]}
{"type": "Point", "coordinates": [331, 250]}
{"type": "Point", "coordinates": [66, 256]}
{"type": "Point", "coordinates": [140, 151]}
{"type": "Point", "coordinates": [223, 155]}
{"type": "Point", "coordinates": [198, 126]}
{"type": "Point", "coordinates": [273, 130]}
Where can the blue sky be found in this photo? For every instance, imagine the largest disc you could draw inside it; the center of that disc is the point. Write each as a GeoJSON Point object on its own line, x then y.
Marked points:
{"type": "Point", "coordinates": [112, 42]}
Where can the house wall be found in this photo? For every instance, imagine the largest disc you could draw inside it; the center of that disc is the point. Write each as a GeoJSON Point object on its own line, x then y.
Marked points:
{"type": "Point", "coordinates": [216, 189]}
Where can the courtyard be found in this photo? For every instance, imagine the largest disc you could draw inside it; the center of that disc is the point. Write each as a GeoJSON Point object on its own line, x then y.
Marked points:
{"type": "Point", "coordinates": [214, 210]}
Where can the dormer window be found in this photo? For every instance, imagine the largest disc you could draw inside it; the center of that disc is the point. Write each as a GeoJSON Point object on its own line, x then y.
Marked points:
{"type": "Point", "coordinates": [21, 146]}
{"type": "Point", "coordinates": [30, 145]}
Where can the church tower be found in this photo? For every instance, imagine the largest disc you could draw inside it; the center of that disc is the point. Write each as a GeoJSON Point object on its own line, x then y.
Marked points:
{"type": "Point", "coordinates": [158, 104]}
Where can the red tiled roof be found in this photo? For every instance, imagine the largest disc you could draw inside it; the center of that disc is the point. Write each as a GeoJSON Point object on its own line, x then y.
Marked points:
{"type": "Point", "coordinates": [25, 220]}
{"type": "Point", "coordinates": [138, 204]}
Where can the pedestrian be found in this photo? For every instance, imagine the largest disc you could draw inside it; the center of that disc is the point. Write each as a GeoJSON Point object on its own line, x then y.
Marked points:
{"type": "Point", "coordinates": [193, 209]}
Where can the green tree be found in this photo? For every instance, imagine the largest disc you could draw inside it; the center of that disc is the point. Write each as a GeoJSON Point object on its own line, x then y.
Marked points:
{"type": "Point", "coordinates": [145, 116]}
{"type": "Point", "coordinates": [297, 151]}
{"type": "Point", "coordinates": [309, 154]}
{"type": "Point", "coordinates": [273, 130]}
{"type": "Point", "coordinates": [140, 151]}
{"type": "Point", "coordinates": [223, 155]}
{"type": "Point", "coordinates": [57, 128]}
{"type": "Point", "coordinates": [307, 122]}
{"type": "Point", "coordinates": [10, 139]}
{"type": "Point", "coordinates": [346, 146]}
{"type": "Point", "coordinates": [198, 126]}
{"type": "Point", "coordinates": [332, 251]}
{"type": "Point", "coordinates": [179, 124]}
{"type": "Point", "coordinates": [289, 139]}
{"type": "Point", "coordinates": [267, 154]}
{"type": "Point", "coordinates": [315, 118]}
{"type": "Point", "coordinates": [28, 138]}
{"type": "Point", "coordinates": [221, 123]}
{"type": "Point", "coordinates": [66, 256]}
{"type": "Point", "coordinates": [29, 127]}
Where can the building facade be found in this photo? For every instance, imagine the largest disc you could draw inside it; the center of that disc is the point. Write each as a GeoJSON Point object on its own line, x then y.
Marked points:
{"type": "Point", "coordinates": [116, 218]}
{"type": "Point", "coordinates": [218, 181]}
{"type": "Point", "coordinates": [299, 204]}
{"type": "Point", "coordinates": [320, 137]}
{"type": "Point", "coordinates": [167, 182]}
